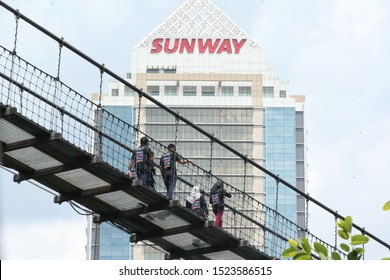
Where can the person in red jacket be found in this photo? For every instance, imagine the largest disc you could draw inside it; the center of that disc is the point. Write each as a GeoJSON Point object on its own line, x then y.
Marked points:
{"type": "Point", "coordinates": [217, 195]}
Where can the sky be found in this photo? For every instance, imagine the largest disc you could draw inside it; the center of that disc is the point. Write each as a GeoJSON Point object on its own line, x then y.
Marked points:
{"type": "Point", "coordinates": [335, 52]}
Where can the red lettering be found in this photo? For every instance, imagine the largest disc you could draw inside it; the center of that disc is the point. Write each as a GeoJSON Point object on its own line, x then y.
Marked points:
{"type": "Point", "coordinates": [157, 45]}
{"type": "Point", "coordinates": [186, 45]}
{"type": "Point", "coordinates": [175, 46]}
{"type": "Point", "coordinates": [208, 45]}
{"type": "Point", "coordinates": [225, 46]}
{"type": "Point", "coordinates": [238, 46]}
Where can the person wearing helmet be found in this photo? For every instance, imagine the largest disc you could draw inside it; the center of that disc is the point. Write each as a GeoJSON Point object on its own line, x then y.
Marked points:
{"type": "Point", "coordinates": [141, 162]}
{"type": "Point", "coordinates": [168, 168]}
{"type": "Point", "coordinates": [217, 195]}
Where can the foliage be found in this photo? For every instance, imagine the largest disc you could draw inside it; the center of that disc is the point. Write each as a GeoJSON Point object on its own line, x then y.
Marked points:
{"type": "Point", "coordinates": [386, 207]}
{"type": "Point", "coordinates": [302, 250]}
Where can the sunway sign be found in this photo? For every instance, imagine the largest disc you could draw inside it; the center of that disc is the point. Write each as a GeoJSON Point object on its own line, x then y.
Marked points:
{"type": "Point", "coordinates": [201, 45]}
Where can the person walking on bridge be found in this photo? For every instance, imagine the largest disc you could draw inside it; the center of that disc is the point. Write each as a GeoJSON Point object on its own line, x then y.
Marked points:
{"type": "Point", "coordinates": [197, 203]}
{"type": "Point", "coordinates": [217, 195]}
{"type": "Point", "coordinates": [140, 160]}
{"type": "Point", "coordinates": [168, 168]}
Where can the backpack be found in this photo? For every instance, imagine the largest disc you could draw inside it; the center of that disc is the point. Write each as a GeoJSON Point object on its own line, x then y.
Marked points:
{"type": "Point", "coordinates": [140, 159]}
{"type": "Point", "coordinates": [167, 164]}
{"type": "Point", "coordinates": [196, 205]}
{"type": "Point", "coordinates": [215, 199]}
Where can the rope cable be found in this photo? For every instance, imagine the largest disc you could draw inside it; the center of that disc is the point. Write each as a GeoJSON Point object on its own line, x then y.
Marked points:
{"type": "Point", "coordinates": [307, 214]}
{"type": "Point", "coordinates": [335, 231]}
{"type": "Point", "coordinates": [17, 16]}
{"type": "Point", "coordinates": [177, 128]}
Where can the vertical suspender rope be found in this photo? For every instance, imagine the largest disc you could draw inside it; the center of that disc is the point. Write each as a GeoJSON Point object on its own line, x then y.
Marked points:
{"type": "Point", "coordinates": [211, 155]}
{"type": "Point", "coordinates": [57, 83]}
{"type": "Point", "coordinates": [100, 113]}
{"type": "Point", "coordinates": [277, 194]}
{"type": "Point", "coordinates": [177, 128]}
{"type": "Point", "coordinates": [244, 191]}
{"type": "Point", "coordinates": [335, 231]}
{"type": "Point", "coordinates": [307, 215]}
{"type": "Point", "coordinates": [275, 213]}
{"type": "Point", "coordinates": [137, 128]}
{"type": "Point", "coordinates": [176, 137]}
{"type": "Point", "coordinates": [363, 233]}
{"type": "Point", "coordinates": [211, 164]}
{"type": "Point", "coordinates": [101, 85]}
{"type": "Point", "coordinates": [13, 53]}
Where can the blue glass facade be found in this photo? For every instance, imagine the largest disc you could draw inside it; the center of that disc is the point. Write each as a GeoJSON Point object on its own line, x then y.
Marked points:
{"type": "Point", "coordinates": [280, 156]}
{"type": "Point", "coordinates": [280, 159]}
{"type": "Point", "coordinates": [114, 243]}
{"type": "Point", "coordinates": [126, 114]}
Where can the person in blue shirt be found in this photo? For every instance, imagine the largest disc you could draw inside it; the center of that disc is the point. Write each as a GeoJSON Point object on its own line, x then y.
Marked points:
{"type": "Point", "coordinates": [141, 164]}
{"type": "Point", "coordinates": [168, 168]}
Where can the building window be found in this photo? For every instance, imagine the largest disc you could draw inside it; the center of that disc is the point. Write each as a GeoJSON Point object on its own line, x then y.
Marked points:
{"type": "Point", "coordinates": [114, 92]}
{"type": "Point", "coordinates": [268, 92]}
{"type": "Point", "coordinates": [153, 90]}
{"type": "Point", "coordinates": [245, 91]}
{"type": "Point", "coordinates": [152, 70]}
{"type": "Point", "coordinates": [283, 94]}
{"type": "Point", "coordinates": [208, 91]}
{"type": "Point", "coordinates": [189, 90]}
{"type": "Point", "coordinates": [169, 70]}
{"type": "Point", "coordinates": [227, 91]}
{"type": "Point", "coordinates": [170, 91]}
{"type": "Point", "coordinates": [129, 91]}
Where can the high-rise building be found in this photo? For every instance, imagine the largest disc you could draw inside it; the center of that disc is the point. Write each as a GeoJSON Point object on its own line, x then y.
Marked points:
{"type": "Point", "coordinates": [201, 64]}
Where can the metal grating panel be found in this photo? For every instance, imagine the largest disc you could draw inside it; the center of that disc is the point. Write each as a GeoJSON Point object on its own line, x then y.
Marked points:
{"type": "Point", "coordinates": [165, 219]}
{"type": "Point", "coordinates": [82, 179]}
{"type": "Point", "coordinates": [10, 133]}
{"type": "Point", "coordinates": [186, 241]}
{"type": "Point", "coordinates": [120, 200]}
{"type": "Point", "coordinates": [224, 255]}
{"type": "Point", "coordinates": [33, 158]}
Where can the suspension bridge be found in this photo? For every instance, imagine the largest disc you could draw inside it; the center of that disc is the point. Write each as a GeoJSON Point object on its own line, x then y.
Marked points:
{"type": "Point", "coordinates": [53, 135]}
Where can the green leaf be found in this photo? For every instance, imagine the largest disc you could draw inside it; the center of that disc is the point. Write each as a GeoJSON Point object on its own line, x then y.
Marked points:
{"type": "Point", "coordinates": [319, 248]}
{"type": "Point", "coordinates": [343, 234]}
{"type": "Point", "coordinates": [306, 246]}
{"type": "Point", "coordinates": [386, 207]}
{"type": "Point", "coordinates": [345, 224]}
{"type": "Point", "coordinates": [335, 256]}
{"type": "Point", "coordinates": [289, 253]}
{"type": "Point", "coordinates": [292, 243]}
{"type": "Point", "coordinates": [360, 251]}
{"type": "Point", "coordinates": [385, 259]}
{"type": "Point", "coordinates": [348, 224]}
{"type": "Point", "coordinates": [359, 239]}
{"type": "Point", "coordinates": [345, 247]}
{"type": "Point", "coordinates": [302, 257]}
{"type": "Point", "coordinates": [322, 256]}
{"type": "Point", "coordinates": [353, 255]}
